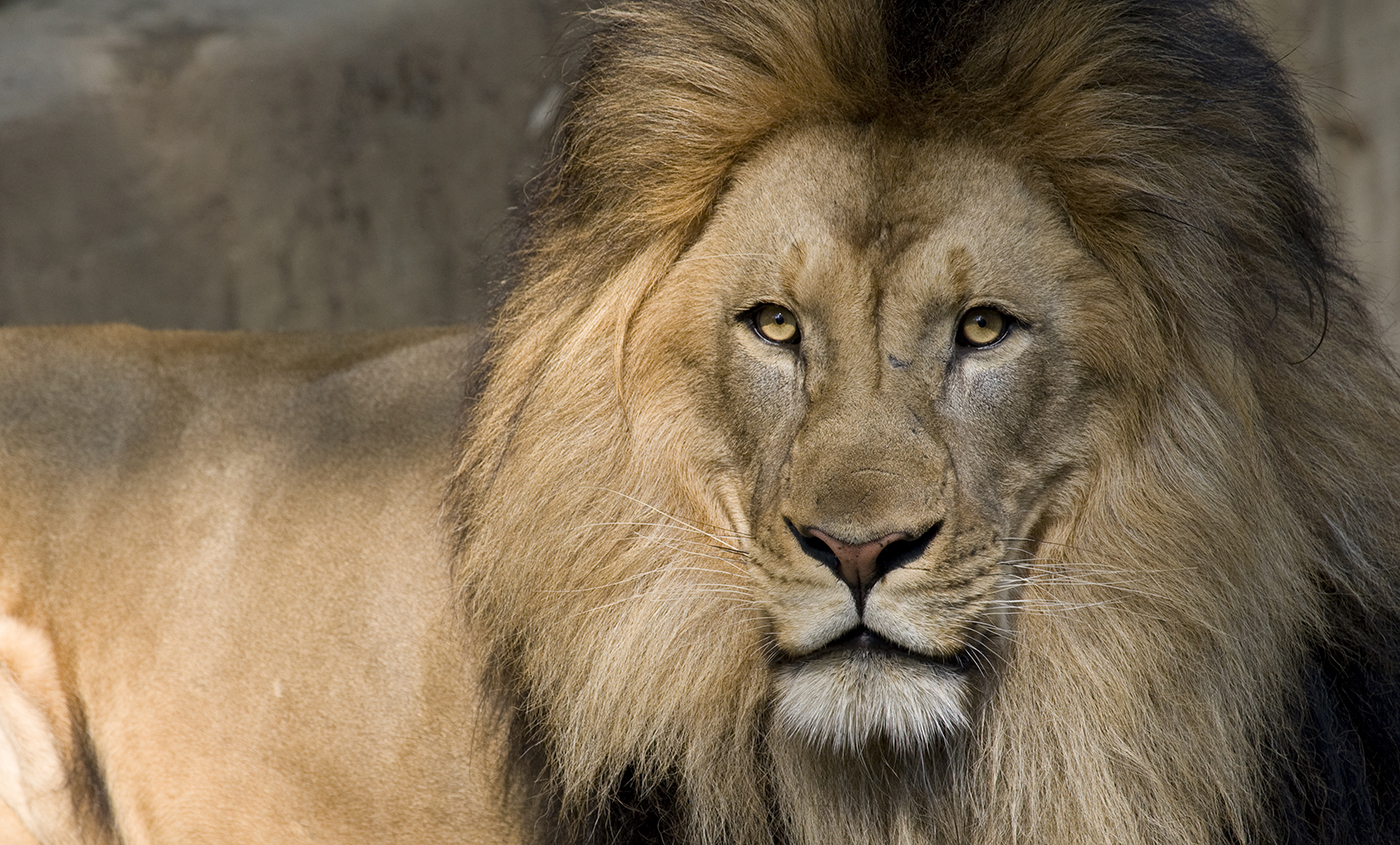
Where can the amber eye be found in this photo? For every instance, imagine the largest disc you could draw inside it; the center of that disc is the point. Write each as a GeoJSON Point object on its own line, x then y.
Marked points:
{"type": "Point", "coordinates": [982, 327]}
{"type": "Point", "coordinates": [775, 323]}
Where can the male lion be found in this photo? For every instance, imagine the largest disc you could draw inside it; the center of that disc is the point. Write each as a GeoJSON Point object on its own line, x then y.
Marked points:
{"type": "Point", "coordinates": [942, 423]}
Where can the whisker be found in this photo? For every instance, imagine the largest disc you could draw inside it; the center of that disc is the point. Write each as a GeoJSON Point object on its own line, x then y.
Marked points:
{"type": "Point", "coordinates": [1059, 568]}
{"type": "Point", "coordinates": [654, 509]}
{"type": "Point", "coordinates": [632, 579]}
{"type": "Point", "coordinates": [735, 567]}
{"type": "Point", "coordinates": [716, 541]}
{"type": "Point", "coordinates": [1126, 587]}
{"type": "Point", "coordinates": [690, 258]}
{"type": "Point", "coordinates": [1056, 604]}
{"type": "Point", "coordinates": [744, 601]}
{"type": "Point", "coordinates": [1041, 542]}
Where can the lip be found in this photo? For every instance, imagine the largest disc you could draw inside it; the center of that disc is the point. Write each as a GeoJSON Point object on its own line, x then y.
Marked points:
{"type": "Point", "coordinates": [861, 642]}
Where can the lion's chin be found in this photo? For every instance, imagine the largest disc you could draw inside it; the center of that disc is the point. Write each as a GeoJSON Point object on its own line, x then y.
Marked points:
{"type": "Point", "coordinates": [852, 693]}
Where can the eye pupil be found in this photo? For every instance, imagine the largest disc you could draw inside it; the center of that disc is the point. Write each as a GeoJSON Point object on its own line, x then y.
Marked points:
{"type": "Point", "coordinates": [983, 327]}
{"type": "Point", "coordinates": [775, 324]}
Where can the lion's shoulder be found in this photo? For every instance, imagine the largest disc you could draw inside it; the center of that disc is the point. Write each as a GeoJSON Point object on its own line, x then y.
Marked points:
{"type": "Point", "coordinates": [248, 524]}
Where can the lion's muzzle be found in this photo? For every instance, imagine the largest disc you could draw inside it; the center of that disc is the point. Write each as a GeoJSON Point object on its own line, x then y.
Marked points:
{"type": "Point", "coordinates": [859, 565]}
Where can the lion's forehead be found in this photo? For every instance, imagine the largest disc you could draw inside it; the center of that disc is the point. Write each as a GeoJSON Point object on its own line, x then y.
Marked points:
{"type": "Point", "coordinates": [853, 227]}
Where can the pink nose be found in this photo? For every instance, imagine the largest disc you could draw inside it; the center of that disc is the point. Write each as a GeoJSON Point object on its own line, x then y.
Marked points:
{"type": "Point", "coordinates": [858, 563]}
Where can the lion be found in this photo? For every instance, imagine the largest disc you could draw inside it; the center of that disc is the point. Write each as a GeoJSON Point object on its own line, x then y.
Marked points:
{"type": "Point", "coordinates": [926, 424]}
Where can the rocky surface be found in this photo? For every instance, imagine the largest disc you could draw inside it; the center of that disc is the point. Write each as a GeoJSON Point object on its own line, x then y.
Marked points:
{"type": "Point", "coordinates": [1350, 52]}
{"type": "Point", "coordinates": [349, 163]}
{"type": "Point", "coordinates": [264, 163]}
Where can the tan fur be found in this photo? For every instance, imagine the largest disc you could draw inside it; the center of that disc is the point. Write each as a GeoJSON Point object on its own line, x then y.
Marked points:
{"type": "Point", "coordinates": [33, 780]}
{"type": "Point", "coordinates": [1131, 534]}
{"type": "Point", "coordinates": [1180, 466]}
{"type": "Point", "coordinates": [224, 609]}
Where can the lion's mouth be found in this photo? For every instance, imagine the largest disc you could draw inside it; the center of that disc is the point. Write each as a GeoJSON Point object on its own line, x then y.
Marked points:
{"type": "Point", "coordinates": [862, 686]}
{"type": "Point", "coordinates": [861, 642]}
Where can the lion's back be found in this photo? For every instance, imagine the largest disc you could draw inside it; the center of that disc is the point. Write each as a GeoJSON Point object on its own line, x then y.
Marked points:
{"type": "Point", "coordinates": [225, 550]}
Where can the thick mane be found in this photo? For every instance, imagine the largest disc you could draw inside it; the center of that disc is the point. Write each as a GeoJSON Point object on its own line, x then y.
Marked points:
{"type": "Point", "coordinates": [1254, 509]}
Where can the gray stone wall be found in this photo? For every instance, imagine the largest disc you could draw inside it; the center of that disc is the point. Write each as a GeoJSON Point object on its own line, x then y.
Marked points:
{"type": "Point", "coordinates": [1350, 50]}
{"type": "Point", "coordinates": [309, 164]}
{"type": "Point", "coordinates": [264, 163]}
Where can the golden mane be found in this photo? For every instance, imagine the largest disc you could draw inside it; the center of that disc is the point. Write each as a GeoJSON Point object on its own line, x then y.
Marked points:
{"type": "Point", "coordinates": [1255, 505]}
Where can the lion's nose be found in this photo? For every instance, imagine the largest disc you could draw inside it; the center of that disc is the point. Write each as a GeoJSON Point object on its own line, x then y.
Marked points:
{"type": "Point", "coordinates": [860, 565]}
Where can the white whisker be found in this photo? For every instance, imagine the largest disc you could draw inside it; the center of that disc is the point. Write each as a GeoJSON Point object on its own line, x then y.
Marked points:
{"type": "Point", "coordinates": [669, 516]}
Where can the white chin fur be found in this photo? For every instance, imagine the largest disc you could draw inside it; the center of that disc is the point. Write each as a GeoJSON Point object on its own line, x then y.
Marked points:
{"type": "Point", "coordinates": [844, 702]}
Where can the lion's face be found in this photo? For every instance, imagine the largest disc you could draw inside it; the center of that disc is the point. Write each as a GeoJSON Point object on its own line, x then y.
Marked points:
{"type": "Point", "coordinates": [910, 348]}
{"type": "Point", "coordinates": [925, 426]}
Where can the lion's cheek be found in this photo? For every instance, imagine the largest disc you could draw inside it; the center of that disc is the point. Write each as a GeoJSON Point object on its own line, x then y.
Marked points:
{"type": "Point", "coordinates": [912, 608]}
{"type": "Point", "coordinates": [1004, 482]}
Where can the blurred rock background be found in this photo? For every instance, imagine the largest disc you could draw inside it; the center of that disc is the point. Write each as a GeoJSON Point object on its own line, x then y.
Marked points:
{"type": "Point", "coordinates": [1350, 51]}
{"type": "Point", "coordinates": [339, 164]}
{"type": "Point", "coordinates": [264, 164]}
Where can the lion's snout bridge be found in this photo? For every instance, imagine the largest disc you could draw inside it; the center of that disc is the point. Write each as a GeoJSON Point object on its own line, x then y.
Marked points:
{"type": "Point", "coordinates": [861, 564]}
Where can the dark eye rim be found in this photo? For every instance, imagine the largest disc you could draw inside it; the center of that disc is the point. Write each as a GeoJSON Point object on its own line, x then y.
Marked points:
{"type": "Point", "coordinates": [750, 316]}
{"type": "Point", "coordinates": [1008, 320]}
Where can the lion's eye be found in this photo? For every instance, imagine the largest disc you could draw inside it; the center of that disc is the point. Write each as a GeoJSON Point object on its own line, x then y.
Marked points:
{"type": "Point", "coordinates": [775, 323]}
{"type": "Point", "coordinates": [982, 327]}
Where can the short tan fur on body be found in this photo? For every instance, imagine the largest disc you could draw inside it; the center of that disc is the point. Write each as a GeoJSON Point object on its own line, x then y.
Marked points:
{"type": "Point", "coordinates": [225, 590]}
{"type": "Point", "coordinates": [910, 423]}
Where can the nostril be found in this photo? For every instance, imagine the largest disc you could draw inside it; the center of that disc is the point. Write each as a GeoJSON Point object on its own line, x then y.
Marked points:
{"type": "Point", "coordinates": [859, 564]}
{"type": "Point", "coordinates": [816, 548]}
{"type": "Point", "coordinates": [892, 551]}
{"type": "Point", "coordinates": [906, 550]}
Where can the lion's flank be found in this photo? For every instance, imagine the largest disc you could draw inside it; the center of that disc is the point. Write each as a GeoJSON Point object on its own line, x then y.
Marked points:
{"type": "Point", "coordinates": [1246, 692]}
